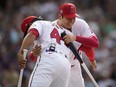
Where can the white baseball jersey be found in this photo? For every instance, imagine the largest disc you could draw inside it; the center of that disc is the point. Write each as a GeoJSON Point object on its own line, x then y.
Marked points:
{"type": "Point", "coordinates": [79, 28]}
{"type": "Point", "coordinates": [53, 68]}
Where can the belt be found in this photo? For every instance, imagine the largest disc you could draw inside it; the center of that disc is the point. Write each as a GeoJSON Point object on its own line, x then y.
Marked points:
{"type": "Point", "coordinates": [57, 52]}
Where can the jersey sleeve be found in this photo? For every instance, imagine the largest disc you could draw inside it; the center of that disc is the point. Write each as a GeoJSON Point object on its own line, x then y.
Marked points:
{"type": "Point", "coordinates": [36, 27]}
{"type": "Point", "coordinates": [84, 34]}
{"type": "Point", "coordinates": [34, 32]}
{"type": "Point", "coordinates": [86, 31]}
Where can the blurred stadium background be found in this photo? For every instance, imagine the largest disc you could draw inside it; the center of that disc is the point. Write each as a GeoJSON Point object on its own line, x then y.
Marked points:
{"type": "Point", "coordinates": [99, 14]}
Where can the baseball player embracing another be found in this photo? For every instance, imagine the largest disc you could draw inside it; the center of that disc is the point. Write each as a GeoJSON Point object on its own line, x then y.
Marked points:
{"type": "Point", "coordinates": [83, 37]}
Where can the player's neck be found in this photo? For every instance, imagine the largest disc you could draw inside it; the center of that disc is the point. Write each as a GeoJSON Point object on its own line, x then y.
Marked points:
{"type": "Point", "coordinates": [60, 24]}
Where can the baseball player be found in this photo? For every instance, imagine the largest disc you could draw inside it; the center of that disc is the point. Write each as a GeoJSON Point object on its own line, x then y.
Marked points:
{"type": "Point", "coordinates": [83, 36]}
{"type": "Point", "coordinates": [52, 69]}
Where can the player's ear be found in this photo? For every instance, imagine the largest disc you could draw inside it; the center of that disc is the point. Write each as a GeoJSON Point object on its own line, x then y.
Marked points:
{"type": "Point", "coordinates": [60, 16]}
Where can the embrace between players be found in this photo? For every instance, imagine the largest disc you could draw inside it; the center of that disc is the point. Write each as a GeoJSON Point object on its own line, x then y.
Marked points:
{"type": "Point", "coordinates": [56, 65]}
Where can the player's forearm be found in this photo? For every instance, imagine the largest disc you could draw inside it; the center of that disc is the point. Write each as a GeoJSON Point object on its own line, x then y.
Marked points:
{"type": "Point", "coordinates": [88, 41]}
{"type": "Point", "coordinates": [27, 42]}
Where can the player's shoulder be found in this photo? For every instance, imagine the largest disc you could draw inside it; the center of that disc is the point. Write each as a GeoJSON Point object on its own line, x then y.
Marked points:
{"type": "Point", "coordinates": [43, 22]}
{"type": "Point", "coordinates": [79, 20]}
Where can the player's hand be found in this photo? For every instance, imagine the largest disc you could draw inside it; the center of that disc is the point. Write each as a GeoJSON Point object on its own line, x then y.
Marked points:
{"type": "Point", "coordinates": [94, 65]}
{"type": "Point", "coordinates": [69, 38]}
{"type": "Point", "coordinates": [36, 50]}
{"type": "Point", "coordinates": [22, 61]}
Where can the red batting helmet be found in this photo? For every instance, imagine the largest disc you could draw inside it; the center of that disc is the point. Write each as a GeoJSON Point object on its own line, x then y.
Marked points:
{"type": "Point", "coordinates": [68, 10]}
{"type": "Point", "coordinates": [26, 23]}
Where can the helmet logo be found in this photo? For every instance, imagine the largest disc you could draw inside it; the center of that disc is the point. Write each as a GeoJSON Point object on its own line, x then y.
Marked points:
{"type": "Point", "coordinates": [26, 24]}
{"type": "Point", "coordinates": [72, 9]}
{"type": "Point", "coordinates": [61, 11]}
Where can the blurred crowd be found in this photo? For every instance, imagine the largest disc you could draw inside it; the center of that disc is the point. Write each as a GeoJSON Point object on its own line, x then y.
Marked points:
{"type": "Point", "coordinates": [99, 14]}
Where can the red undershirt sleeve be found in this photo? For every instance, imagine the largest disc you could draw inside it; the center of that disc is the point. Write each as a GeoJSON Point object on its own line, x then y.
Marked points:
{"type": "Point", "coordinates": [32, 57]}
{"type": "Point", "coordinates": [35, 32]}
{"type": "Point", "coordinates": [88, 51]}
{"type": "Point", "coordinates": [88, 41]}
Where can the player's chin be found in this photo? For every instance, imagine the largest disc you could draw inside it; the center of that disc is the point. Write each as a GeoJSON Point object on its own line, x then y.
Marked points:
{"type": "Point", "coordinates": [69, 27]}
